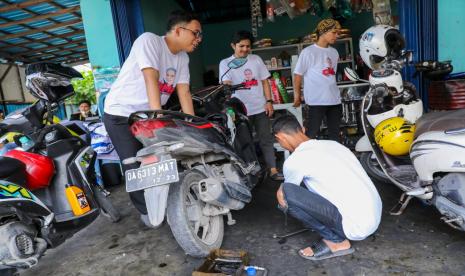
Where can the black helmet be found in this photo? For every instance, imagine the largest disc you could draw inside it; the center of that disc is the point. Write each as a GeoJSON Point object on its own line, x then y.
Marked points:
{"type": "Point", "coordinates": [50, 81]}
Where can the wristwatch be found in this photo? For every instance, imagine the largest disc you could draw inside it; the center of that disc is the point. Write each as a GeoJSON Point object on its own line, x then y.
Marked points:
{"type": "Point", "coordinates": [269, 101]}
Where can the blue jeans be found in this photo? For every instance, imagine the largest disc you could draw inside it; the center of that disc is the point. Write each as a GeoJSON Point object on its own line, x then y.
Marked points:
{"type": "Point", "coordinates": [314, 211]}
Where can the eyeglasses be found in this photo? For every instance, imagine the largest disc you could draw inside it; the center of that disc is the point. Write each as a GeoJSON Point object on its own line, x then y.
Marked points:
{"type": "Point", "coordinates": [197, 34]}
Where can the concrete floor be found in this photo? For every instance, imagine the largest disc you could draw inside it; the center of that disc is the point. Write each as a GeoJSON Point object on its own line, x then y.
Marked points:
{"type": "Point", "coordinates": [415, 243]}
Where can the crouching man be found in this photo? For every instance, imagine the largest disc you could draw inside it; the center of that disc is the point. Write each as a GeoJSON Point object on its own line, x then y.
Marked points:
{"type": "Point", "coordinates": [326, 188]}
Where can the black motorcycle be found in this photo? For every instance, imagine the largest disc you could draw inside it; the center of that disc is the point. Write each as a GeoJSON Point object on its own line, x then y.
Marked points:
{"type": "Point", "coordinates": [196, 169]}
{"type": "Point", "coordinates": [35, 212]}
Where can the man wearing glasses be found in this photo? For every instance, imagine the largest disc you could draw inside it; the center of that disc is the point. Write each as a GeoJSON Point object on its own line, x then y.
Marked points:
{"type": "Point", "coordinates": [155, 68]}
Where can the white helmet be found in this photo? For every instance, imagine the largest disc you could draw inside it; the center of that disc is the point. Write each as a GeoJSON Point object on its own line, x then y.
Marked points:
{"type": "Point", "coordinates": [379, 42]}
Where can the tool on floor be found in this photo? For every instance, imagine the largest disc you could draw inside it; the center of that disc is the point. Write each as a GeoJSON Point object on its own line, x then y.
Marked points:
{"type": "Point", "coordinates": [283, 238]}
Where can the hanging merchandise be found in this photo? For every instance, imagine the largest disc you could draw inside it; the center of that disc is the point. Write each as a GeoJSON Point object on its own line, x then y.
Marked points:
{"type": "Point", "coordinates": [327, 4]}
{"type": "Point", "coordinates": [302, 5]}
{"type": "Point", "coordinates": [295, 7]}
{"type": "Point", "coordinates": [316, 8]}
{"type": "Point", "coordinates": [256, 15]}
{"type": "Point", "coordinates": [269, 11]}
{"type": "Point", "coordinates": [382, 12]}
{"type": "Point", "coordinates": [344, 8]}
{"type": "Point", "coordinates": [361, 5]}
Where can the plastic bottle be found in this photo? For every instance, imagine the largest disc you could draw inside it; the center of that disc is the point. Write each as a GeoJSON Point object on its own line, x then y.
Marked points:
{"type": "Point", "coordinates": [251, 271]}
{"type": "Point", "coordinates": [231, 113]}
{"type": "Point", "coordinates": [281, 88]}
{"type": "Point", "coordinates": [77, 200]}
{"type": "Point", "coordinates": [26, 143]}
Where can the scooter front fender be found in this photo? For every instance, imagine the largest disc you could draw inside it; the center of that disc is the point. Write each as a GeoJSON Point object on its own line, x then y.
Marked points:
{"type": "Point", "coordinates": [363, 144]}
{"type": "Point", "coordinates": [155, 200]}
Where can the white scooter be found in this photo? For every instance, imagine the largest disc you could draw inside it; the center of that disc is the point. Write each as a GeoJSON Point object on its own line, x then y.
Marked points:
{"type": "Point", "coordinates": [434, 168]}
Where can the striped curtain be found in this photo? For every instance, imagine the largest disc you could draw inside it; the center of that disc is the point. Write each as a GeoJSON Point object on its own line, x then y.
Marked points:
{"type": "Point", "coordinates": [419, 25]}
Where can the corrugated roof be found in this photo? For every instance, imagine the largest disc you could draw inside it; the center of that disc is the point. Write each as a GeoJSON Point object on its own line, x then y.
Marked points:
{"type": "Point", "coordinates": [42, 30]}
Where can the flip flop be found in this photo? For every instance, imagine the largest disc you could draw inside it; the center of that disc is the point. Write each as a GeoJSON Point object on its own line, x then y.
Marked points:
{"type": "Point", "coordinates": [321, 251]}
{"type": "Point", "coordinates": [277, 177]}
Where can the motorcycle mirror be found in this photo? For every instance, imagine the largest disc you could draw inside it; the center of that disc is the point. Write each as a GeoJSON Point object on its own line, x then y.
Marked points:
{"type": "Point", "coordinates": [234, 64]}
{"type": "Point", "coordinates": [237, 62]}
{"type": "Point", "coordinates": [351, 74]}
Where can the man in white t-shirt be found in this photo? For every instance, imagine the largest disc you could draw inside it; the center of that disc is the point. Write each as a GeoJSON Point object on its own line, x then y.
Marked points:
{"type": "Point", "coordinates": [154, 69]}
{"type": "Point", "coordinates": [326, 188]}
{"type": "Point", "coordinates": [317, 64]}
{"type": "Point", "coordinates": [257, 96]}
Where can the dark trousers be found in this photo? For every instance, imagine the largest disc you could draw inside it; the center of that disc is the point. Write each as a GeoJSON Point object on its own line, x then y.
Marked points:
{"type": "Point", "coordinates": [126, 146]}
{"type": "Point", "coordinates": [333, 115]}
{"type": "Point", "coordinates": [261, 123]}
{"type": "Point", "coordinates": [314, 211]}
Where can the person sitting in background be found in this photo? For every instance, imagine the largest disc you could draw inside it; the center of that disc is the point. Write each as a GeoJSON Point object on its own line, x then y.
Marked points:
{"type": "Point", "coordinates": [84, 112]}
{"type": "Point", "coordinates": [326, 188]}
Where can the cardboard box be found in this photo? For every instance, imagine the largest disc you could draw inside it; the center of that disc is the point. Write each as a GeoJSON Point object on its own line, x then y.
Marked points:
{"type": "Point", "coordinates": [208, 267]}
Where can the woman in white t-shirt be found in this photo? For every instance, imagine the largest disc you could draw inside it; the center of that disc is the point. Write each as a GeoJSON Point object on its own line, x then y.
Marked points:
{"type": "Point", "coordinates": [154, 69]}
{"type": "Point", "coordinates": [317, 64]}
{"type": "Point", "coordinates": [257, 98]}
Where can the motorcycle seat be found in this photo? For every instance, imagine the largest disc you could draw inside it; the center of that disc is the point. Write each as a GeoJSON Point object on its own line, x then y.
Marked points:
{"type": "Point", "coordinates": [12, 170]}
{"type": "Point", "coordinates": [440, 121]}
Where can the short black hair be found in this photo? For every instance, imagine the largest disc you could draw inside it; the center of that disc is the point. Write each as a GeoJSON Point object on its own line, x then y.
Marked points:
{"type": "Point", "coordinates": [242, 35]}
{"type": "Point", "coordinates": [179, 16]}
{"type": "Point", "coordinates": [287, 124]}
{"type": "Point", "coordinates": [86, 102]}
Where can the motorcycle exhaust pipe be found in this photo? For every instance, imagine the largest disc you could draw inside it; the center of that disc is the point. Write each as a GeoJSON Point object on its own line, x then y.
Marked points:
{"type": "Point", "coordinates": [212, 191]}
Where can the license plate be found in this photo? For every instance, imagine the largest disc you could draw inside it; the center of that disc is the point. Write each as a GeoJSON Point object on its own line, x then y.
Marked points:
{"type": "Point", "coordinates": [152, 175]}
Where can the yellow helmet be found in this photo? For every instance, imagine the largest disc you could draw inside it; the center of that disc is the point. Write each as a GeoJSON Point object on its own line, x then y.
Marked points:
{"type": "Point", "coordinates": [394, 136]}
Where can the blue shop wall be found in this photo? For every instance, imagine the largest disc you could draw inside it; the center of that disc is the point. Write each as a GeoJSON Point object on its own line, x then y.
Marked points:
{"type": "Point", "coordinates": [451, 34]}
{"type": "Point", "coordinates": [100, 33]}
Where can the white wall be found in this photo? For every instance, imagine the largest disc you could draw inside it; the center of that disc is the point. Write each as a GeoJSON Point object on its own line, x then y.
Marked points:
{"type": "Point", "coordinates": [13, 85]}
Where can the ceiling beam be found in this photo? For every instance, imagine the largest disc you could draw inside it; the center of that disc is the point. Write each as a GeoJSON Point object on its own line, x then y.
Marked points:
{"type": "Point", "coordinates": [63, 36]}
{"type": "Point", "coordinates": [60, 56]}
{"type": "Point", "coordinates": [83, 59]}
{"type": "Point", "coordinates": [39, 17]}
{"type": "Point", "coordinates": [58, 47]}
{"type": "Point", "coordinates": [22, 5]}
{"type": "Point", "coordinates": [59, 7]}
{"type": "Point", "coordinates": [38, 30]}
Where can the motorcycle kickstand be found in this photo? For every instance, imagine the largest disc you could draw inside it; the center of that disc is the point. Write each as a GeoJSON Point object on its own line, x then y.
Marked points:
{"type": "Point", "coordinates": [399, 208]}
{"type": "Point", "coordinates": [231, 221]}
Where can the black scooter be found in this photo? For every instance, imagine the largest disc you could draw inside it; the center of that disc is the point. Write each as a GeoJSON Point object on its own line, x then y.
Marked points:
{"type": "Point", "coordinates": [196, 169]}
{"type": "Point", "coordinates": [35, 213]}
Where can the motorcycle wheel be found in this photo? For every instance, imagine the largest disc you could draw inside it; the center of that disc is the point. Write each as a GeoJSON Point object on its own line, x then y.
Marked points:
{"type": "Point", "coordinates": [372, 167]}
{"type": "Point", "coordinates": [196, 233]}
{"type": "Point", "coordinates": [106, 207]}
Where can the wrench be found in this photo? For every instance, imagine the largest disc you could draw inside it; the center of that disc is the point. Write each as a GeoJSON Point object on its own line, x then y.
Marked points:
{"type": "Point", "coordinates": [283, 238]}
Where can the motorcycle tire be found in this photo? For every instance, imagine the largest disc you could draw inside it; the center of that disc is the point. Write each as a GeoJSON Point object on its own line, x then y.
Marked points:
{"type": "Point", "coordinates": [106, 207]}
{"type": "Point", "coordinates": [372, 168]}
{"type": "Point", "coordinates": [196, 240]}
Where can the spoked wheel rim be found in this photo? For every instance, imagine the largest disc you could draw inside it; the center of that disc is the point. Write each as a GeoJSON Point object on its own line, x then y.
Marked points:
{"type": "Point", "coordinates": [204, 228]}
